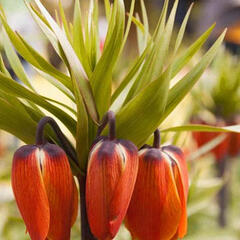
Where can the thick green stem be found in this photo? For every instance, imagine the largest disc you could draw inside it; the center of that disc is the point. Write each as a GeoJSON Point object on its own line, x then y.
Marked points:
{"type": "Point", "coordinates": [85, 228]}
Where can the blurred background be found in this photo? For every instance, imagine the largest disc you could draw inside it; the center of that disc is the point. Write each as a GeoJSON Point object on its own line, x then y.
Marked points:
{"type": "Point", "coordinates": [213, 159]}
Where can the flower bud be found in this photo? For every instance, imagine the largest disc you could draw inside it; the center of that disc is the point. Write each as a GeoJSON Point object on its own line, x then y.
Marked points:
{"type": "Point", "coordinates": [111, 175]}
{"type": "Point", "coordinates": [157, 210]}
{"type": "Point", "coordinates": [45, 191]}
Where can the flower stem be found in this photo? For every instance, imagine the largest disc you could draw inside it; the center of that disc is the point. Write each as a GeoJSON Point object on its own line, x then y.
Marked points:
{"type": "Point", "coordinates": [157, 139]}
{"type": "Point", "coordinates": [40, 140]}
{"type": "Point", "coordinates": [223, 193]}
{"type": "Point", "coordinates": [109, 118]}
{"type": "Point", "coordinates": [85, 228]}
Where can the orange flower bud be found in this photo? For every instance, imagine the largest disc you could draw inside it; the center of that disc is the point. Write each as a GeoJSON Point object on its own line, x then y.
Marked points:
{"type": "Point", "coordinates": [111, 175]}
{"type": "Point", "coordinates": [157, 210]}
{"type": "Point", "coordinates": [45, 191]}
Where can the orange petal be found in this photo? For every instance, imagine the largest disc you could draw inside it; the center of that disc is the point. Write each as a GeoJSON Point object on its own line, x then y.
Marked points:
{"type": "Point", "coordinates": [59, 186]}
{"type": "Point", "coordinates": [155, 208]}
{"type": "Point", "coordinates": [29, 191]}
{"type": "Point", "coordinates": [111, 176]}
{"type": "Point", "coordinates": [181, 177]}
{"type": "Point", "coordinates": [125, 186]}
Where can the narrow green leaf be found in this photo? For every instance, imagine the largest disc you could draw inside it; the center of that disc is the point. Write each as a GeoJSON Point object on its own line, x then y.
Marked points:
{"type": "Point", "coordinates": [182, 29]}
{"type": "Point", "coordinates": [15, 122]}
{"type": "Point", "coordinates": [15, 62]}
{"type": "Point", "coordinates": [57, 84]}
{"type": "Point", "coordinates": [138, 23]}
{"type": "Point", "coordinates": [64, 21]}
{"type": "Point", "coordinates": [130, 75]}
{"type": "Point", "coordinates": [102, 76]}
{"type": "Point", "coordinates": [13, 88]}
{"type": "Point", "coordinates": [107, 9]}
{"type": "Point", "coordinates": [155, 61]}
{"type": "Point", "coordinates": [162, 21]}
{"type": "Point", "coordinates": [33, 57]}
{"type": "Point", "coordinates": [181, 88]}
{"type": "Point", "coordinates": [138, 119]}
{"type": "Point", "coordinates": [184, 58]}
{"type": "Point", "coordinates": [44, 26]}
{"type": "Point", "coordinates": [76, 68]}
{"type": "Point", "coordinates": [130, 16]}
{"type": "Point", "coordinates": [202, 128]}
{"type": "Point", "coordinates": [145, 22]}
{"type": "Point", "coordinates": [3, 69]}
{"type": "Point", "coordinates": [78, 39]}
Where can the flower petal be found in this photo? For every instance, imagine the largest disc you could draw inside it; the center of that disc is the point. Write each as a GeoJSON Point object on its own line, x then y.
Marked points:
{"type": "Point", "coordinates": [29, 191]}
{"type": "Point", "coordinates": [179, 167]}
{"type": "Point", "coordinates": [59, 185]}
{"type": "Point", "coordinates": [155, 209]}
{"type": "Point", "coordinates": [125, 186]}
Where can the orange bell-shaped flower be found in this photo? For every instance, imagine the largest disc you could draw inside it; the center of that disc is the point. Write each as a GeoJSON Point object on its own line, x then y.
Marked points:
{"type": "Point", "coordinates": [45, 191]}
{"type": "Point", "coordinates": [157, 210]}
{"type": "Point", "coordinates": [111, 175]}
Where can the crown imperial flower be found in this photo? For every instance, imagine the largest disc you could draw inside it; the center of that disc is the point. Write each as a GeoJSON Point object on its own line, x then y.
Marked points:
{"type": "Point", "coordinates": [157, 210]}
{"type": "Point", "coordinates": [45, 191]}
{"type": "Point", "coordinates": [111, 175]}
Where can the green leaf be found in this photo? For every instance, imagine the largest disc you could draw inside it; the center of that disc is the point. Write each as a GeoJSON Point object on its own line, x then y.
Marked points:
{"type": "Point", "coordinates": [145, 36]}
{"type": "Point", "coordinates": [57, 84]}
{"type": "Point", "coordinates": [182, 29]}
{"type": "Point", "coordinates": [64, 21]}
{"type": "Point", "coordinates": [33, 57]}
{"type": "Point", "coordinates": [155, 61]}
{"type": "Point", "coordinates": [13, 88]}
{"type": "Point", "coordinates": [181, 88]}
{"type": "Point", "coordinates": [131, 74]}
{"type": "Point", "coordinates": [130, 16]}
{"type": "Point", "coordinates": [15, 62]}
{"type": "Point", "coordinates": [101, 79]}
{"type": "Point", "coordinates": [184, 58]}
{"type": "Point", "coordinates": [78, 39]}
{"type": "Point", "coordinates": [15, 122]}
{"type": "Point", "coordinates": [138, 119]}
{"type": "Point", "coordinates": [202, 128]}
{"type": "Point", "coordinates": [76, 69]}
{"type": "Point", "coordinates": [107, 9]}
{"type": "Point", "coordinates": [3, 69]}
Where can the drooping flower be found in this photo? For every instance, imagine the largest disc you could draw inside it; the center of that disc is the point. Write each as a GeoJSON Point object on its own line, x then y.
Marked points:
{"type": "Point", "coordinates": [111, 175]}
{"type": "Point", "coordinates": [45, 191]}
{"type": "Point", "coordinates": [157, 210]}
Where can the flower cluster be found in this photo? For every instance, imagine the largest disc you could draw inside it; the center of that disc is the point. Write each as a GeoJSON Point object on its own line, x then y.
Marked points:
{"type": "Point", "coordinates": [148, 188]}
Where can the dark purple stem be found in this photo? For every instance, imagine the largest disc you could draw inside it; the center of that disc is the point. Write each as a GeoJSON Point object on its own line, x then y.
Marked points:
{"type": "Point", "coordinates": [157, 139]}
{"type": "Point", "coordinates": [85, 228]}
{"type": "Point", "coordinates": [223, 193]}
{"type": "Point", "coordinates": [109, 118]}
{"type": "Point", "coordinates": [40, 139]}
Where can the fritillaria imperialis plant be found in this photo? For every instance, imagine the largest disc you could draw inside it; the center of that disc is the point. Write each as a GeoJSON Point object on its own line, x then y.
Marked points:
{"type": "Point", "coordinates": [142, 98]}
